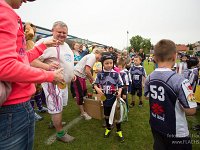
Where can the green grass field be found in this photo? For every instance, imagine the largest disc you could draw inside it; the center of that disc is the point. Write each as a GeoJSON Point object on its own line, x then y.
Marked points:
{"type": "Point", "coordinates": [89, 134]}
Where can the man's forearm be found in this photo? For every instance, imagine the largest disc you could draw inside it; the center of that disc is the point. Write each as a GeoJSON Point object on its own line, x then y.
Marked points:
{"type": "Point", "coordinates": [38, 64]}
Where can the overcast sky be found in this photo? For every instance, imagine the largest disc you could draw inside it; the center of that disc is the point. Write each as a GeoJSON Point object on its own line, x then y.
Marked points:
{"type": "Point", "coordinates": [107, 21]}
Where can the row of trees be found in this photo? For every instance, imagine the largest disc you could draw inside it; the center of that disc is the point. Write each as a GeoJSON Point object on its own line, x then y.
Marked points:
{"type": "Point", "coordinates": [138, 42]}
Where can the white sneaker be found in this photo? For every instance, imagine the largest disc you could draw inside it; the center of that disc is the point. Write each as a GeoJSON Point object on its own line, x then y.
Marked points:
{"type": "Point", "coordinates": [86, 116]}
{"type": "Point", "coordinates": [43, 110]}
{"type": "Point", "coordinates": [66, 138]}
{"type": "Point", "coordinates": [38, 117]}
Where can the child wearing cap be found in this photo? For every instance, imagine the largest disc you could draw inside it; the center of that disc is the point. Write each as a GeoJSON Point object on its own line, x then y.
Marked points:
{"type": "Point", "coordinates": [109, 84]}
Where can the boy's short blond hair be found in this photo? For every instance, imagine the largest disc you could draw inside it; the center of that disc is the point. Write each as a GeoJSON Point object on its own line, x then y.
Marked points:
{"type": "Point", "coordinates": [137, 56]}
{"type": "Point", "coordinates": [164, 50]}
{"type": "Point", "coordinates": [121, 62]}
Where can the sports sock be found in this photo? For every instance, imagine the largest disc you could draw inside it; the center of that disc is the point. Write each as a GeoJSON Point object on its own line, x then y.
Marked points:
{"type": "Point", "coordinates": [107, 124]}
{"type": "Point", "coordinates": [118, 125]}
{"type": "Point", "coordinates": [60, 133]}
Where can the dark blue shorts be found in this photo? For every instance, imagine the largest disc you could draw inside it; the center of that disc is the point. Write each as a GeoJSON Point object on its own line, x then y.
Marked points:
{"type": "Point", "coordinates": [136, 89]}
{"type": "Point", "coordinates": [107, 110]}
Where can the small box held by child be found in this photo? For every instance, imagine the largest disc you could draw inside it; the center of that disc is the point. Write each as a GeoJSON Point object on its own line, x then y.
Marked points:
{"type": "Point", "coordinates": [93, 106]}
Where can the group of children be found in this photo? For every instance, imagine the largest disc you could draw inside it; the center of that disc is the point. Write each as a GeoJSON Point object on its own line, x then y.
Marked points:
{"type": "Point", "coordinates": [169, 88]}
{"type": "Point", "coordinates": [170, 94]}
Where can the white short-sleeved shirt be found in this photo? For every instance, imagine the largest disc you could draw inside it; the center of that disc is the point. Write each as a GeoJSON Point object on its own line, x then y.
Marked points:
{"type": "Point", "coordinates": [66, 58]}
{"type": "Point", "coordinates": [88, 60]}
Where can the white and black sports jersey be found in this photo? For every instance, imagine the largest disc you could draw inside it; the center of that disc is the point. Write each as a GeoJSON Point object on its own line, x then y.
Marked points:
{"type": "Point", "coordinates": [124, 77]}
{"type": "Point", "coordinates": [109, 81]}
{"type": "Point", "coordinates": [168, 92]}
{"type": "Point", "coordinates": [180, 67]}
{"type": "Point", "coordinates": [136, 75]}
{"type": "Point", "coordinates": [129, 75]}
{"type": "Point", "coordinates": [192, 76]}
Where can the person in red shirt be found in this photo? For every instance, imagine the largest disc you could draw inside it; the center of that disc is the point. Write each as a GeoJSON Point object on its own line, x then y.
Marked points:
{"type": "Point", "coordinates": [16, 114]}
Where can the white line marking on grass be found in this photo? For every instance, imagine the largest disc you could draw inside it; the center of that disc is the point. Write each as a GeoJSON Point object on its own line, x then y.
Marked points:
{"type": "Point", "coordinates": [52, 138]}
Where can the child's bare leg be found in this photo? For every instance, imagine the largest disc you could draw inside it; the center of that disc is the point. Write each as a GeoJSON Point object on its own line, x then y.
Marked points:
{"type": "Point", "coordinates": [133, 101]}
{"type": "Point", "coordinates": [141, 102]}
{"type": "Point", "coordinates": [81, 108]}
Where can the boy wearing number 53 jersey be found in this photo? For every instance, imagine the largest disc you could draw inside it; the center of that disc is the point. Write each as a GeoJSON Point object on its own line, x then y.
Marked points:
{"type": "Point", "coordinates": [170, 98]}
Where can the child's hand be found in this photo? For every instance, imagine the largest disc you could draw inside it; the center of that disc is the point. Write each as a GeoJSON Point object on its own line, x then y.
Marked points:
{"type": "Point", "coordinates": [74, 79]}
{"type": "Point", "coordinates": [99, 91]}
{"type": "Point", "coordinates": [123, 96]}
{"type": "Point", "coordinates": [118, 94]}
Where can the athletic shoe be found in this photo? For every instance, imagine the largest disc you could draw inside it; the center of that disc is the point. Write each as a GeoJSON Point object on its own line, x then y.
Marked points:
{"type": "Point", "coordinates": [37, 117]}
{"type": "Point", "coordinates": [66, 138]}
{"type": "Point", "coordinates": [107, 133]}
{"type": "Point", "coordinates": [140, 104]}
{"type": "Point", "coordinates": [132, 104]}
{"type": "Point", "coordinates": [43, 110]}
{"type": "Point", "coordinates": [196, 128]}
{"type": "Point", "coordinates": [120, 136]}
{"type": "Point", "coordinates": [86, 116]}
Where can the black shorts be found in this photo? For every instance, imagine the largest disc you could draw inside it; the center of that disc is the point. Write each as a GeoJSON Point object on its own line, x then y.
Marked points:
{"type": "Point", "coordinates": [162, 142]}
{"type": "Point", "coordinates": [107, 110]}
{"type": "Point", "coordinates": [138, 90]}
